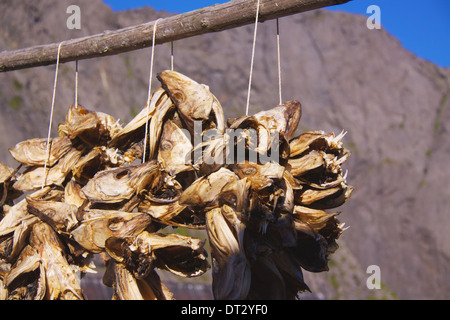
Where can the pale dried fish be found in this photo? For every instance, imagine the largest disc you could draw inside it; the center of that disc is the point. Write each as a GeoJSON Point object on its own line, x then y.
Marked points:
{"type": "Point", "coordinates": [205, 191]}
{"type": "Point", "coordinates": [323, 198]}
{"type": "Point", "coordinates": [260, 176]}
{"type": "Point", "coordinates": [62, 283]}
{"type": "Point", "coordinates": [231, 271]}
{"type": "Point", "coordinates": [28, 261]}
{"type": "Point", "coordinates": [194, 101]}
{"type": "Point", "coordinates": [127, 287]}
{"type": "Point", "coordinates": [5, 172]}
{"type": "Point", "coordinates": [61, 216]}
{"type": "Point", "coordinates": [283, 119]}
{"type": "Point", "coordinates": [122, 138]}
{"type": "Point", "coordinates": [174, 149]}
{"type": "Point", "coordinates": [73, 194]}
{"type": "Point", "coordinates": [33, 152]}
{"type": "Point", "coordinates": [310, 161]}
{"type": "Point", "coordinates": [99, 225]}
{"type": "Point", "coordinates": [163, 108]}
{"type": "Point", "coordinates": [118, 184]}
{"type": "Point", "coordinates": [32, 178]}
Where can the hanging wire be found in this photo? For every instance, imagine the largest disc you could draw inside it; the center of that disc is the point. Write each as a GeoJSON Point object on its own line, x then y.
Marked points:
{"type": "Point", "coordinates": [253, 58]}
{"type": "Point", "coordinates": [76, 84]}
{"type": "Point", "coordinates": [279, 62]}
{"type": "Point", "coordinates": [149, 89]}
{"type": "Point", "coordinates": [51, 117]}
{"type": "Point", "coordinates": [171, 55]}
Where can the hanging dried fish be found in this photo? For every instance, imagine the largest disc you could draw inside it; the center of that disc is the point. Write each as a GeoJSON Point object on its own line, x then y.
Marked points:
{"type": "Point", "coordinates": [194, 101]}
{"type": "Point", "coordinates": [99, 225]}
{"type": "Point", "coordinates": [134, 130]}
{"type": "Point", "coordinates": [34, 152]}
{"type": "Point", "coordinates": [231, 271]}
{"type": "Point", "coordinates": [260, 193]}
{"type": "Point", "coordinates": [174, 149]}
{"type": "Point", "coordinates": [118, 184]}
{"type": "Point", "coordinates": [61, 216]}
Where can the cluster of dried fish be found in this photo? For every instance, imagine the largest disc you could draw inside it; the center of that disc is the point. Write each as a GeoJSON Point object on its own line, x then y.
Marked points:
{"type": "Point", "coordinates": [90, 194]}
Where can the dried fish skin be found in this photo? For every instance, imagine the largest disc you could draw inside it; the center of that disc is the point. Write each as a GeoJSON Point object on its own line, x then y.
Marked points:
{"type": "Point", "coordinates": [61, 281]}
{"type": "Point", "coordinates": [323, 198]}
{"type": "Point", "coordinates": [3, 291]}
{"type": "Point", "coordinates": [163, 109]}
{"type": "Point", "coordinates": [60, 216]}
{"type": "Point", "coordinates": [99, 225]}
{"type": "Point", "coordinates": [7, 179]}
{"type": "Point", "coordinates": [194, 101]}
{"type": "Point", "coordinates": [118, 184]}
{"type": "Point", "coordinates": [73, 194]}
{"type": "Point", "coordinates": [205, 191]}
{"type": "Point", "coordinates": [162, 212]}
{"type": "Point", "coordinates": [308, 162]}
{"type": "Point", "coordinates": [181, 255]}
{"type": "Point", "coordinates": [127, 287]}
{"type": "Point", "coordinates": [92, 128]}
{"type": "Point", "coordinates": [28, 261]}
{"type": "Point", "coordinates": [174, 149]}
{"type": "Point", "coordinates": [109, 126]}
{"type": "Point", "coordinates": [283, 119]}
{"type": "Point", "coordinates": [302, 143]}
{"type": "Point", "coordinates": [20, 237]}
{"type": "Point", "coordinates": [33, 178]}
{"type": "Point", "coordinates": [33, 152]}
{"type": "Point", "coordinates": [231, 271]}
{"type": "Point", "coordinates": [133, 131]}
{"type": "Point", "coordinates": [79, 121]}
{"type": "Point", "coordinates": [6, 173]}
{"type": "Point", "coordinates": [260, 176]}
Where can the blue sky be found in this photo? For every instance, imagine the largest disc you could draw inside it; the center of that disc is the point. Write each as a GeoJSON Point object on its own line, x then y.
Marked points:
{"type": "Point", "coordinates": [423, 27]}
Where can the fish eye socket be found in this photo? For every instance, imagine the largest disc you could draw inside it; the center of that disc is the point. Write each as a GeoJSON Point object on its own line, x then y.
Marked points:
{"type": "Point", "coordinates": [179, 96]}
{"type": "Point", "coordinates": [166, 145]}
{"type": "Point", "coordinates": [249, 171]}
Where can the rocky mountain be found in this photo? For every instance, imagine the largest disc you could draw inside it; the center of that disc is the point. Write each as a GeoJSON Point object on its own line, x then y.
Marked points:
{"type": "Point", "coordinates": [393, 105]}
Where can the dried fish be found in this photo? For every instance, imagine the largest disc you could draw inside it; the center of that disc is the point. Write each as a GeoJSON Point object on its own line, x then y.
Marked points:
{"type": "Point", "coordinates": [34, 177]}
{"type": "Point", "coordinates": [174, 149]}
{"type": "Point", "coordinates": [231, 271]}
{"type": "Point", "coordinates": [205, 191]}
{"type": "Point", "coordinates": [99, 225]}
{"type": "Point", "coordinates": [283, 119]}
{"type": "Point", "coordinates": [60, 278]}
{"type": "Point", "coordinates": [122, 137]}
{"type": "Point", "coordinates": [127, 287]}
{"type": "Point", "coordinates": [61, 216]}
{"type": "Point", "coordinates": [118, 184]}
{"type": "Point", "coordinates": [194, 101]}
{"type": "Point", "coordinates": [260, 193]}
{"type": "Point", "coordinates": [34, 152]}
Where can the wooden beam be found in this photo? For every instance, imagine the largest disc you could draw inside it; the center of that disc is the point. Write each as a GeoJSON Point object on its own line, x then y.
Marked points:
{"type": "Point", "coordinates": [214, 18]}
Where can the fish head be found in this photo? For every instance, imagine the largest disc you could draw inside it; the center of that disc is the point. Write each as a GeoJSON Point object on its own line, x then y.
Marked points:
{"type": "Point", "coordinates": [193, 100]}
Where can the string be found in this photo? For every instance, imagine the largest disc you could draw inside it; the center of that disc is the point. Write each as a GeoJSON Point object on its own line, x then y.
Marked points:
{"type": "Point", "coordinates": [279, 62]}
{"type": "Point", "coordinates": [171, 55]}
{"type": "Point", "coordinates": [253, 57]}
{"type": "Point", "coordinates": [149, 89]}
{"type": "Point", "coordinates": [76, 84]}
{"type": "Point", "coordinates": [51, 116]}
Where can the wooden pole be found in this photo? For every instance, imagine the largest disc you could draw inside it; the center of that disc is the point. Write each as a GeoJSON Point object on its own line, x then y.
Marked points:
{"type": "Point", "coordinates": [214, 18]}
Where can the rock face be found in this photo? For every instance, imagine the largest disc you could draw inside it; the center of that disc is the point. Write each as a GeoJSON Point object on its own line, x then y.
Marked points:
{"type": "Point", "coordinates": [394, 106]}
